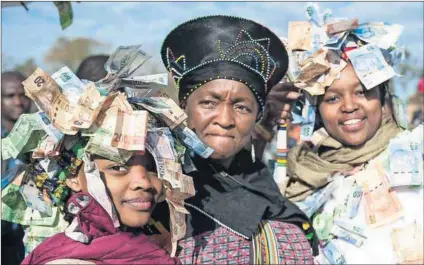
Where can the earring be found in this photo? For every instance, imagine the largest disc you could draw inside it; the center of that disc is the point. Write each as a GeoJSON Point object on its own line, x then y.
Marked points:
{"type": "Point", "coordinates": [253, 153]}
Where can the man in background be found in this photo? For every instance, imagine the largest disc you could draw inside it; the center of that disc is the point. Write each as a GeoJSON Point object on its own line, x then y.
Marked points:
{"type": "Point", "coordinates": [13, 104]}
{"type": "Point", "coordinates": [92, 68]}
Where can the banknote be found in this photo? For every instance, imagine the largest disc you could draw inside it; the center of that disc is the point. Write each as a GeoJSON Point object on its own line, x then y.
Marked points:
{"type": "Point", "coordinates": [323, 223]}
{"type": "Point", "coordinates": [400, 112]}
{"type": "Point", "coordinates": [299, 35]}
{"type": "Point", "coordinates": [308, 123]}
{"type": "Point", "coordinates": [192, 141]}
{"type": "Point", "coordinates": [44, 92]}
{"type": "Point", "coordinates": [164, 107]}
{"type": "Point", "coordinates": [318, 38]}
{"type": "Point", "coordinates": [314, 66]}
{"type": "Point", "coordinates": [342, 25]}
{"type": "Point", "coordinates": [47, 147]}
{"type": "Point", "coordinates": [71, 85]}
{"type": "Point", "coordinates": [341, 195]}
{"type": "Point", "coordinates": [383, 35]}
{"type": "Point", "coordinates": [354, 200]}
{"type": "Point", "coordinates": [134, 66]}
{"type": "Point", "coordinates": [130, 131]}
{"type": "Point", "coordinates": [48, 127]}
{"type": "Point", "coordinates": [313, 15]}
{"type": "Point", "coordinates": [312, 203]}
{"type": "Point", "coordinates": [62, 114]}
{"type": "Point", "coordinates": [120, 58]}
{"type": "Point", "coordinates": [37, 233]}
{"type": "Point", "coordinates": [177, 227]}
{"type": "Point", "coordinates": [11, 174]}
{"type": "Point", "coordinates": [66, 14]}
{"type": "Point", "coordinates": [33, 197]}
{"type": "Point", "coordinates": [22, 137]}
{"type": "Point", "coordinates": [407, 242]}
{"type": "Point", "coordinates": [88, 107]}
{"type": "Point", "coordinates": [350, 226]}
{"type": "Point", "coordinates": [99, 145]}
{"type": "Point", "coordinates": [370, 66]}
{"type": "Point", "coordinates": [382, 205]}
{"type": "Point", "coordinates": [333, 254]}
{"type": "Point", "coordinates": [336, 41]}
{"type": "Point", "coordinates": [346, 236]}
{"type": "Point", "coordinates": [406, 163]}
{"type": "Point", "coordinates": [41, 88]}
{"type": "Point", "coordinates": [337, 65]}
{"type": "Point", "coordinates": [97, 188]}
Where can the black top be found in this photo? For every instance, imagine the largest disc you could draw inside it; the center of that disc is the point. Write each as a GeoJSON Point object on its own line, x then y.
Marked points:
{"type": "Point", "coordinates": [240, 201]}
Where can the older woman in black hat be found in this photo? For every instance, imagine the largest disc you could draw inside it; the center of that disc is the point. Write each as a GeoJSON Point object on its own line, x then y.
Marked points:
{"type": "Point", "coordinates": [224, 67]}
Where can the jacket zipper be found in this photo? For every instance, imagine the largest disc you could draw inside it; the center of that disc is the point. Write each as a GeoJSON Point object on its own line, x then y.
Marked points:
{"type": "Point", "coordinates": [217, 221]}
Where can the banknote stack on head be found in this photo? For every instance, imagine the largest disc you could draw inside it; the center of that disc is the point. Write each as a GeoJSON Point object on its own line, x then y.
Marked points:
{"type": "Point", "coordinates": [114, 118]}
{"type": "Point", "coordinates": [321, 46]}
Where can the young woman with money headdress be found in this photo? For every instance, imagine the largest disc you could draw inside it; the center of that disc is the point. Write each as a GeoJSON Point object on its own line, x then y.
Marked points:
{"type": "Point", "coordinates": [360, 175]}
{"type": "Point", "coordinates": [223, 68]}
{"type": "Point", "coordinates": [86, 170]}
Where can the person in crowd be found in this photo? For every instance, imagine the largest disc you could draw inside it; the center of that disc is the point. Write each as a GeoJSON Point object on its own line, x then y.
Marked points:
{"type": "Point", "coordinates": [415, 105]}
{"type": "Point", "coordinates": [223, 75]}
{"type": "Point", "coordinates": [13, 104]}
{"type": "Point", "coordinates": [356, 177]}
{"type": "Point", "coordinates": [106, 194]}
{"type": "Point", "coordinates": [92, 68]}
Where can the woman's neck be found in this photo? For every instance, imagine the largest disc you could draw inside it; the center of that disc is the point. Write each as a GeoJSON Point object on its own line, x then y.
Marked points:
{"type": "Point", "coordinates": [226, 162]}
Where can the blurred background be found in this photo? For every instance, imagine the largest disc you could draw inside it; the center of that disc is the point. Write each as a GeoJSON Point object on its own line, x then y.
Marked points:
{"type": "Point", "coordinates": [32, 34]}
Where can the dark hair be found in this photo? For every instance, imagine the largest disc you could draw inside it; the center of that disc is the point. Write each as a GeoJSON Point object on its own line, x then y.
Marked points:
{"type": "Point", "coordinates": [92, 68]}
{"type": "Point", "coordinates": [13, 74]}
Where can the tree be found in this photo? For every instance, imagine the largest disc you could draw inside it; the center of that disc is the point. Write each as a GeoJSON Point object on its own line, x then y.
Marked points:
{"type": "Point", "coordinates": [71, 52]}
{"type": "Point", "coordinates": [27, 67]}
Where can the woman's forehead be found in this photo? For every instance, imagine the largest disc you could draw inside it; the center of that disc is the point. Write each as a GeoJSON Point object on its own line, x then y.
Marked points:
{"type": "Point", "coordinates": [348, 79]}
{"type": "Point", "coordinates": [224, 87]}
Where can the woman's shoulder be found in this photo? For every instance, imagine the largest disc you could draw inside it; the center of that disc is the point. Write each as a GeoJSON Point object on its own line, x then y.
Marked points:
{"type": "Point", "coordinates": [69, 261]}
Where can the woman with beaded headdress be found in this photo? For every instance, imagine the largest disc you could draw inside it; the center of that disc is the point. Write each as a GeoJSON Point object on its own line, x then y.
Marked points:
{"type": "Point", "coordinates": [96, 160]}
{"type": "Point", "coordinates": [223, 68]}
{"type": "Point", "coordinates": [359, 175]}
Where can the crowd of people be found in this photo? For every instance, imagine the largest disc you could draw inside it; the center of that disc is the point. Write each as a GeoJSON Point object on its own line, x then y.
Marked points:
{"type": "Point", "coordinates": [277, 151]}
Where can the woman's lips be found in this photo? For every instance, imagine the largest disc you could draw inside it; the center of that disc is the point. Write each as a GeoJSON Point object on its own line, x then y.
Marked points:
{"type": "Point", "coordinates": [140, 204]}
{"type": "Point", "coordinates": [353, 125]}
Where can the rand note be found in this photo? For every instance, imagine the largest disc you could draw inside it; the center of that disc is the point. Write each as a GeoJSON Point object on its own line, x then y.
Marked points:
{"type": "Point", "coordinates": [382, 206]}
{"type": "Point", "coordinates": [88, 107]}
{"type": "Point", "coordinates": [299, 35]}
{"type": "Point", "coordinates": [130, 131]}
{"type": "Point", "coordinates": [333, 254]}
{"type": "Point", "coordinates": [72, 86]}
{"type": "Point", "coordinates": [342, 25]}
{"type": "Point", "coordinates": [407, 242]}
{"type": "Point", "coordinates": [370, 66]}
{"type": "Point", "coordinates": [165, 109]}
{"type": "Point", "coordinates": [383, 35]}
{"type": "Point", "coordinates": [66, 14]}
{"type": "Point", "coordinates": [192, 141]}
{"type": "Point", "coordinates": [406, 164]}
{"type": "Point", "coordinates": [21, 137]}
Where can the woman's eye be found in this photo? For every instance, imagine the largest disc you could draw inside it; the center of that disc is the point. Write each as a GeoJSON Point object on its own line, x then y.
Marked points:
{"type": "Point", "coordinates": [208, 103]}
{"type": "Point", "coordinates": [332, 99]}
{"type": "Point", "coordinates": [243, 109]}
{"type": "Point", "coordinates": [360, 93]}
{"type": "Point", "coordinates": [118, 168]}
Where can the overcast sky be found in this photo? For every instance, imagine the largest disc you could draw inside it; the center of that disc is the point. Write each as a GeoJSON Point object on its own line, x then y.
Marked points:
{"type": "Point", "coordinates": [31, 33]}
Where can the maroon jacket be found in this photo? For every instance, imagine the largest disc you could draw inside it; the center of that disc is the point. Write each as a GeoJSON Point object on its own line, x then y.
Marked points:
{"type": "Point", "coordinates": [107, 244]}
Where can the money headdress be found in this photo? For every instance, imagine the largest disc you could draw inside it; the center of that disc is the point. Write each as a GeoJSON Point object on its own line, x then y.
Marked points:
{"type": "Point", "coordinates": [78, 119]}
{"type": "Point", "coordinates": [320, 47]}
